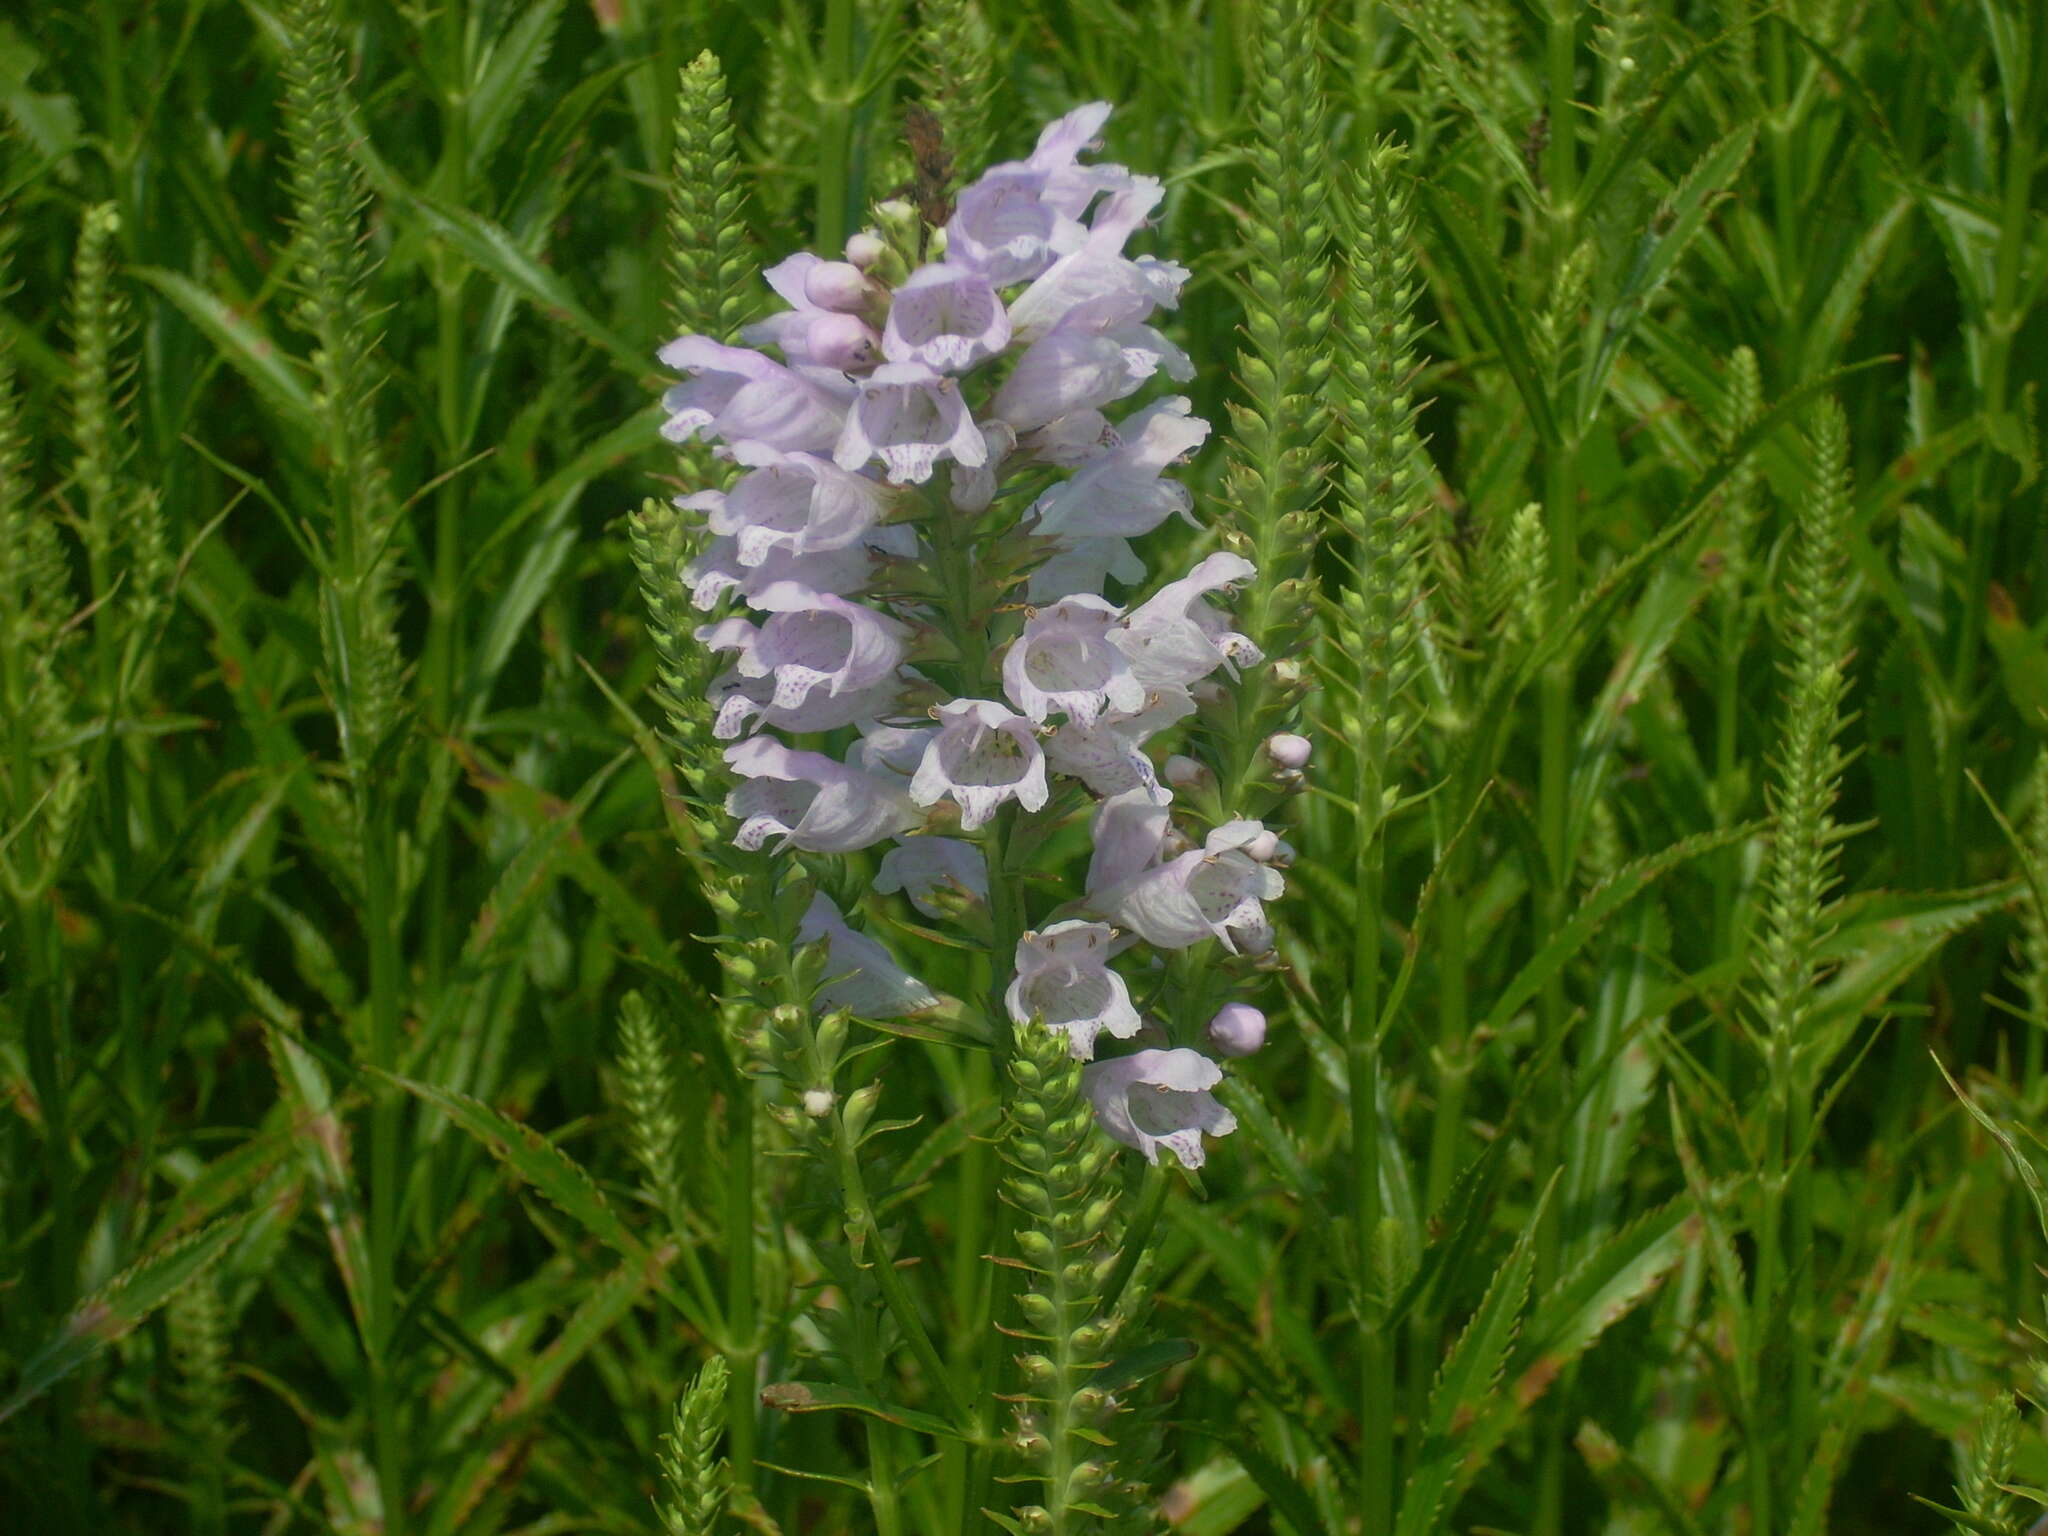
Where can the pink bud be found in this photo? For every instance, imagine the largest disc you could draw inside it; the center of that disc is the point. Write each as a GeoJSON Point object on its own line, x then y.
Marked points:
{"type": "Point", "coordinates": [1237, 1030]}
{"type": "Point", "coordinates": [864, 249]}
{"type": "Point", "coordinates": [1289, 750]}
{"type": "Point", "coordinates": [844, 342]}
{"type": "Point", "coordinates": [1265, 846]}
{"type": "Point", "coordinates": [838, 285]}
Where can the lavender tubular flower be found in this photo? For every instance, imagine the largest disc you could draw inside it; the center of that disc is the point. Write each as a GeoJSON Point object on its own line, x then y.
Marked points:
{"type": "Point", "coordinates": [982, 756]}
{"type": "Point", "coordinates": [1064, 981]}
{"type": "Point", "coordinates": [859, 577]}
{"type": "Point", "coordinates": [736, 394]}
{"type": "Point", "coordinates": [1157, 1099]}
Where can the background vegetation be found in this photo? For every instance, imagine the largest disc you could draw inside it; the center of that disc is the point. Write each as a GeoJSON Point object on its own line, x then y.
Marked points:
{"type": "Point", "coordinates": [1708, 726]}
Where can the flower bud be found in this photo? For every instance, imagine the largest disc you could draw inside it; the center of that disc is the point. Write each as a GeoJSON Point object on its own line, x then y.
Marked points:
{"type": "Point", "coordinates": [1288, 749]}
{"type": "Point", "coordinates": [844, 342]}
{"type": "Point", "coordinates": [860, 1108]}
{"type": "Point", "coordinates": [1237, 1030]}
{"type": "Point", "coordinates": [818, 1102]}
{"type": "Point", "coordinates": [838, 285]}
{"type": "Point", "coordinates": [864, 248]}
{"type": "Point", "coordinates": [1265, 847]}
{"type": "Point", "coordinates": [1183, 772]}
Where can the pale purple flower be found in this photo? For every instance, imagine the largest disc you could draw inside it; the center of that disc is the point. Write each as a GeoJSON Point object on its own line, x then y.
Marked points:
{"type": "Point", "coordinates": [909, 417]}
{"type": "Point", "coordinates": [1064, 981]}
{"type": "Point", "coordinates": [861, 975]}
{"type": "Point", "coordinates": [807, 799]}
{"type": "Point", "coordinates": [981, 756]}
{"type": "Point", "coordinates": [896, 749]}
{"type": "Point", "coordinates": [1176, 638]}
{"type": "Point", "coordinates": [1064, 663]}
{"type": "Point", "coordinates": [737, 394]}
{"type": "Point", "coordinates": [1120, 492]}
{"type": "Point", "coordinates": [1238, 1029]}
{"type": "Point", "coordinates": [971, 489]}
{"type": "Point", "coordinates": [1157, 1099]}
{"type": "Point", "coordinates": [1017, 217]}
{"type": "Point", "coordinates": [738, 700]}
{"type": "Point", "coordinates": [1107, 754]}
{"type": "Point", "coordinates": [717, 571]}
{"type": "Point", "coordinates": [947, 317]}
{"type": "Point", "coordinates": [1076, 366]}
{"type": "Point", "coordinates": [811, 640]}
{"type": "Point", "coordinates": [921, 867]}
{"type": "Point", "coordinates": [1217, 889]}
{"type": "Point", "coordinates": [1128, 835]}
{"type": "Point", "coordinates": [1083, 565]}
{"type": "Point", "coordinates": [793, 501]}
{"type": "Point", "coordinates": [1071, 440]}
{"type": "Point", "coordinates": [1115, 288]}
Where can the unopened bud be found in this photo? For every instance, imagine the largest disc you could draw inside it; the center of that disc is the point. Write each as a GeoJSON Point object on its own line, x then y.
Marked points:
{"type": "Point", "coordinates": [1289, 750]}
{"type": "Point", "coordinates": [1264, 846]}
{"type": "Point", "coordinates": [844, 342]}
{"type": "Point", "coordinates": [818, 1102]}
{"type": "Point", "coordinates": [860, 1108]}
{"type": "Point", "coordinates": [864, 248]}
{"type": "Point", "coordinates": [1184, 772]}
{"type": "Point", "coordinates": [838, 285]}
{"type": "Point", "coordinates": [1237, 1030]}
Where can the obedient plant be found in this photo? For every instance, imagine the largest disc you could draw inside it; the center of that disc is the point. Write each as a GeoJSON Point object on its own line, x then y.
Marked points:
{"type": "Point", "coordinates": [931, 648]}
{"type": "Point", "coordinates": [927, 570]}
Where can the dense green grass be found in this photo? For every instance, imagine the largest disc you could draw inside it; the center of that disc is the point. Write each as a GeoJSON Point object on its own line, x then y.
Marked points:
{"type": "Point", "coordinates": [1679, 813]}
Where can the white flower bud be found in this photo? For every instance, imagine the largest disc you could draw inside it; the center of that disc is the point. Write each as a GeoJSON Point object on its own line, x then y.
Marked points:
{"type": "Point", "coordinates": [1264, 846]}
{"type": "Point", "coordinates": [1183, 772]}
{"type": "Point", "coordinates": [1289, 750]}
{"type": "Point", "coordinates": [865, 248]}
{"type": "Point", "coordinates": [818, 1102]}
{"type": "Point", "coordinates": [1237, 1030]}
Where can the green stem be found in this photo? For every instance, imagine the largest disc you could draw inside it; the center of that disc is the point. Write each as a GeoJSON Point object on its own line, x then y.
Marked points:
{"type": "Point", "coordinates": [860, 1212]}
{"type": "Point", "coordinates": [744, 1351]}
{"type": "Point", "coordinates": [835, 125]}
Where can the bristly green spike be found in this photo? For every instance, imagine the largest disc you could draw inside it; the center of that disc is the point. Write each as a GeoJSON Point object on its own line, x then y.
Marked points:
{"type": "Point", "coordinates": [1804, 847]}
{"type": "Point", "coordinates": [2033, 945]}
{"type": "Point", "coordinates": [199, 1349]}
{"type": "Point", "coordinates": [41, 783]}
{"type": "Point", "coordinates": [1374, 519]}
{"type": "Point", "coordinates": [647, 1084]}
{"type": "Point", "coordinates": [1278, 465]}
{"type": "Point", "coordinates": [334, 272]}
{"type": "Point", "coordinates": [693, 1476]}
{"type": "Point", "coordinates": [126, 543]}
{"type": "Point", "coordinates": [957, 76]}
{"type": "Point", "coordinates": [1067, 1211]}
{"type": "Point", "coordinates": [711, 279]}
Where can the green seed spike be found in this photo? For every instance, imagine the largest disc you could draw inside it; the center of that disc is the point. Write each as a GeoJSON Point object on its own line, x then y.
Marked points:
{"type": "Point", "coordinates": [123, 530]}
{"type": "Point", "coordinates": [693, 1475]}
{"type": "Point", "coordinates": [334, 274]}
{"type": "Point", "coordinates": [1804, 845]}
{"type": "Point", "coordinates": [711, 278]}
{"type": "Point", "coordinates": [1066, 1214]}
{"type": "Point", "coordinates": [1278, 465]}
{"type": "Point", "coordinates": [41, 784]}
{"type": "Point", "coordinates": [957, 76]}
{"type": "Point", "coordinates": [647, 1086]}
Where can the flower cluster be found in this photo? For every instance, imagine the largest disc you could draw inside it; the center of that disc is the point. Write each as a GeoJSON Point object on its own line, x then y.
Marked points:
{"type": "Point", "coordinates": [934, 502]}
